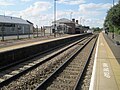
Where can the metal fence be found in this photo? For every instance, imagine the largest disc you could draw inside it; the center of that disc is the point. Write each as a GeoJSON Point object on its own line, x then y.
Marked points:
{"type": "Point", "coordinates": [37, 32]}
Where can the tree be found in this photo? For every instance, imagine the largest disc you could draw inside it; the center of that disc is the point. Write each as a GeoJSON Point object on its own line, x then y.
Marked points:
{"type": "Point", "coordinates": [96, 29]}
{"type": "Point", "coordinates": [113, 18]}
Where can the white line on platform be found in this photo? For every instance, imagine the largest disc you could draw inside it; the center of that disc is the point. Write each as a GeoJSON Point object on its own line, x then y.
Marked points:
{"type": "Point", "coordinates": [92, 82]}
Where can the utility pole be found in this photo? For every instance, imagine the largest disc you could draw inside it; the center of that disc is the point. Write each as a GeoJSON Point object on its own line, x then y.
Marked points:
{"type": "Point", "coordinates": [80, 20]}
{"type": "Point", "coordinates": [55, 27]}
{"type": "Point", "coordinates": [113, 26]}
{"type": "Point", "coordinates": [37, 29]}
{"type": "Point", "coordinates": [113, 2]}
{"type": "Point", "coordinates": [71, 15]}
{"type": "Point", "coordinates": [44, 30]}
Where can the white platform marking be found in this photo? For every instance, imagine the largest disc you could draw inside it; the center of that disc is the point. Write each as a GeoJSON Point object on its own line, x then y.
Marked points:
{"type": "Point", "coordinates": [106, 70]}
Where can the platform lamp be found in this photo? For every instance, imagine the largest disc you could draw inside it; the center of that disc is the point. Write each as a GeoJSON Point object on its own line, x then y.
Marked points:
{"type": "Point", "coordinates": [37, 29]}
{"type": "Point", "coordinates": [113, 2]}
{"type": "Point", "coordinates": [113, 26]}
{"type": "Point", "coordinates": [55, 18]}
{"type": "Point", "coordinates": [71, 15]}
{"type": "Point", "coordinates": [80, 20]}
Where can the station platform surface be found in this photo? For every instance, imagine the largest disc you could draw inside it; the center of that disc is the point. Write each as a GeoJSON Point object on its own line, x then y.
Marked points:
{"type": "Point", "coordinates": [21, 45]}
{"type": "Point", "coordinates": [106, 69]}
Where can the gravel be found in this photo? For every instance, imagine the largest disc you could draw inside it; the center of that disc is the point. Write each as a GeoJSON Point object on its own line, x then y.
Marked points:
{"type": "Point", "coordinates": [31, 79]}
{"type": "Point", "coordinates": [68, 77]}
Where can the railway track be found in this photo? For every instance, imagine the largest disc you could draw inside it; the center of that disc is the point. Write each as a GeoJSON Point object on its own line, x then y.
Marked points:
{"type": "Point", "coordinates": [68, 75]}
{"type": "Point", "coordinates": [10, 79]}
{"type": "Point", "coordinates": [2, 68]}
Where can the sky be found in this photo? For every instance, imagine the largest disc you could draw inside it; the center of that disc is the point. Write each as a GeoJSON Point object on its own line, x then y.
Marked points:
{"type": "Point", "coordinates": [41, 12]}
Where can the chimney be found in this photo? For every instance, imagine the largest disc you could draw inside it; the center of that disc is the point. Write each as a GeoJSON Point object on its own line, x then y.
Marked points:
{"type": "Point", "coordinates": [73, 20]}
{"type": "Point", "coordinates": [20, 16]}
{"type": "Point", "coordinates": [76, 21]}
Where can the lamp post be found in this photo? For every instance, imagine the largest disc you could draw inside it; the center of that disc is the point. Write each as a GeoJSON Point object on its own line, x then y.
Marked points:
{"type": "Point", "coordinates": [113, 26]}
{"type": "Point", "coordinates": [80, 20]}
{"type": "Point", "coordinates": [71, 15]}
{"type": "Point", "coordinates": [113, 2]}
{"type": "Point", "coordinates": [83, 20]}
{"type": "Point", "coordinates": [37, 29]}
{"type": "Point", "coordinates": [55, 18]}
{"type": "Point", "coordinates": [50, 27]}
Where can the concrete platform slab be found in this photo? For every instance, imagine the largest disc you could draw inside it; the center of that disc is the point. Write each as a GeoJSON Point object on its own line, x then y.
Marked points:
{"type": "Point", "coordinates": [106, 70]}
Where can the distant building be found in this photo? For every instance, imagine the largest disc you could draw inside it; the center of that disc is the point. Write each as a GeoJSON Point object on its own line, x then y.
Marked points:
{"type": "Point", "coordinates": [67, 25]}
{"type": "Point", "coordinates": [13, 25]}
{"type": "Point", "coordinates": [48, 29]}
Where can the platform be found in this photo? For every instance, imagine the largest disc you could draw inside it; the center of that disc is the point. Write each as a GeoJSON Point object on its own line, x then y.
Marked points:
{"type": "Point", "coordinates": [13, 47]}
{"type": "Point", "coordinates": [106, 69]}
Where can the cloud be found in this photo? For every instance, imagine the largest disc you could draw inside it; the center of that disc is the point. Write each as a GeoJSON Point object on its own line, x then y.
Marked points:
{"type": "Point", "coordinates": [61, 14]}
{"type": "Point", "coordinates": [36, 8]}
{"type": "Point", "coordinates": [6, 3]}
{"type": "Point", "coordinates": [93, 6]}
{"type": "Point", "coordinates": [93, 22]}
{"type": "Point", "coordinates": [71, 2]}
{"type": "Point", "coordinates": [41, 12]}
{"type": "Point", "coordinates": [93, 9]}
{"type": "Point", "coordinates": [34, 13]}
{"type": "Point", "coordinates": [25, 0]}
{"type": "Point", "coordinates": [93, 13]}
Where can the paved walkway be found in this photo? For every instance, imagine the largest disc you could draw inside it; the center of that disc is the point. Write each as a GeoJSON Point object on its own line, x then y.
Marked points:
{"type": "Point", "coordinates": [106, 70]}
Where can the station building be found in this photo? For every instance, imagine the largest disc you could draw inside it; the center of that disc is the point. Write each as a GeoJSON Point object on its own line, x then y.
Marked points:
{"type": "Point", "coordinates": [67, 25]}
{"type": "Point", "coordinates": [13, 25]}
{"type": "Point", "coordinates": [71, 26]}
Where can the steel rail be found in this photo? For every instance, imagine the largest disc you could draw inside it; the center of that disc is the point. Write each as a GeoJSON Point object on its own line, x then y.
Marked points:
{"type": "Point", "coordinates": [44, 84]}
{"type": "Point", "coordinates": [7, 81]}
{"type": "Point", "coordinates": [85, 66]}
{"type": "Point", "coordinates": [33, 56]}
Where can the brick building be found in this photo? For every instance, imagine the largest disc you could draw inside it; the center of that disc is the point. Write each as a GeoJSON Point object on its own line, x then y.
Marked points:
{"type": "Point", "coordinates": [68, 23]}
